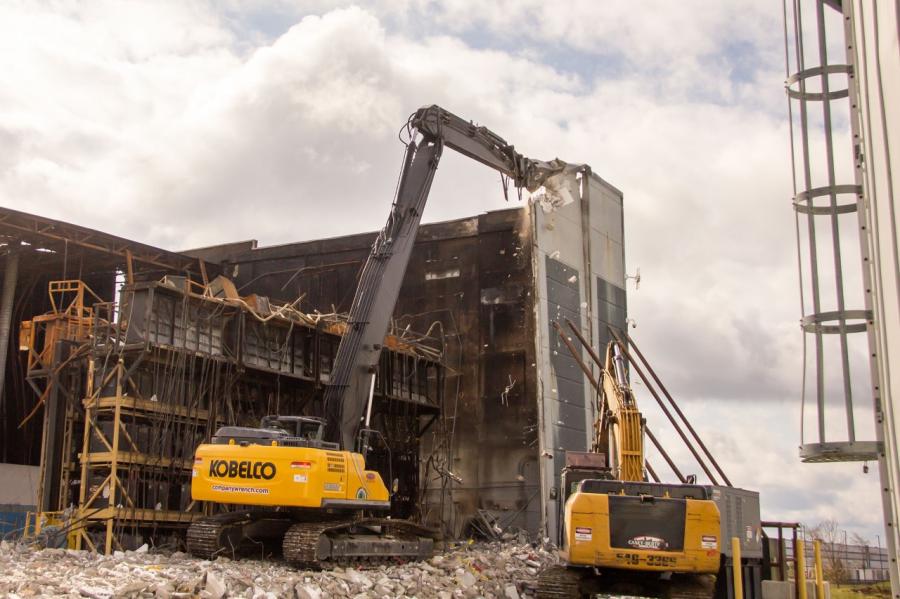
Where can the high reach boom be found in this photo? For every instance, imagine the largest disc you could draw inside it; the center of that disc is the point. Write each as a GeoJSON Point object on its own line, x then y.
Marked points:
{"type": "Point", "coordinates": [429, 129]}
{"type": "Point", "coordinates": [624, 426]}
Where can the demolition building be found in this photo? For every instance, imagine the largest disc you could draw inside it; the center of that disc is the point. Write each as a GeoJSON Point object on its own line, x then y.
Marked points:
{"type": "Point", "coordinates": [119, 358]}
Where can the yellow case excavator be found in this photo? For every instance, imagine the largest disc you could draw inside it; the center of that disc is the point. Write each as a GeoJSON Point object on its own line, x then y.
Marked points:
{"type": "Point", "coordinates": [622, 535]}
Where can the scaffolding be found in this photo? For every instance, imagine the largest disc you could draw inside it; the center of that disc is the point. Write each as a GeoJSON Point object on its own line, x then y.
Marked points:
{"type": "Point", "coordinates": [54, 345]}
{"type": "Point", "coordinates": [136, 456]}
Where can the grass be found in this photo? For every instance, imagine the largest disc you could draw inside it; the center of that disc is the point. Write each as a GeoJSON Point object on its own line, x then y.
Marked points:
{"type": "Point", "coordinates": [881, 590]}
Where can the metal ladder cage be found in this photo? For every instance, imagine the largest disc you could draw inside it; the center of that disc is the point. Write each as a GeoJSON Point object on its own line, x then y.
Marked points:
{"type": "Point", "coordinates": [830, 215]}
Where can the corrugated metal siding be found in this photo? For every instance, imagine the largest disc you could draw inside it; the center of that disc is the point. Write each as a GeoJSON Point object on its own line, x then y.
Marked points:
{"type": "Point", "coordinates": [567, 421]}
{"type": "Point", "coordinates": [573, 244]}
{"type": "Point", "coordinates": [612, 310]}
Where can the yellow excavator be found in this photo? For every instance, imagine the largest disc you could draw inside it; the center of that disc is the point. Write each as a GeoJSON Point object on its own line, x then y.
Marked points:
{"type": "Point", "coordinates": [622, 534]}
{"type": "Point", "coordinates": [300, 484]}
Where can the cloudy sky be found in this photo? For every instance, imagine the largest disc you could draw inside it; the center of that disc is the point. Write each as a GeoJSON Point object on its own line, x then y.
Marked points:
{"type": "Point", "coordinates": [186, 124]}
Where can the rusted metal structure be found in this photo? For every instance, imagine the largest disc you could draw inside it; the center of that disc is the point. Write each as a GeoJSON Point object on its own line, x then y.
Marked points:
{"type": "Point", "coordinates": [119, 394]}
{"type": "Point", "coordinates": [37, 250]}
{"type": "Point", "coordinates": [135, 387]}
{"type": "Point", "coordinates": [469, 284]}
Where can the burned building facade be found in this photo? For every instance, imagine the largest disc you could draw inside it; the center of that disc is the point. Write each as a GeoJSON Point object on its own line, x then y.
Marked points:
{"type": "Point", "coordinates": [122, 378]}
{"type": "Point", "coordinates": [476, 395]}
{"type": "Point", "coordinates": [486, 290]}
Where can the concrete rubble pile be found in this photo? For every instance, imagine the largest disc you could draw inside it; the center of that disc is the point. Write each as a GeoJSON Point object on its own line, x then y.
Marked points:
{"type": "Point", "coordinates": [505, 570]}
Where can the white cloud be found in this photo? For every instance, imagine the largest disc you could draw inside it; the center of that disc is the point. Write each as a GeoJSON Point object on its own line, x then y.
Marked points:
{"type": "Point", "coordinates": [754, 448]}
{"type": "Point", "coordinates": [180, 125]}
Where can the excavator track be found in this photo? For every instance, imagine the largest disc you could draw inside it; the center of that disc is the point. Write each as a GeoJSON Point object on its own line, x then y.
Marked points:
{"type": "Point", "coordinates": [236, 533]}
{"type": "Point", "coordinates": [696, 586]}
{"type": "Point", "coordinates": [207, 537]}
{"type": "Point", "coordinates": [367, 542]}
{"type": "Point", "coordinates": [559, 582]}
{"type": "Point", "coordinates": [301, 541]}
{"type": "Point", "coordinates": [315, 544]}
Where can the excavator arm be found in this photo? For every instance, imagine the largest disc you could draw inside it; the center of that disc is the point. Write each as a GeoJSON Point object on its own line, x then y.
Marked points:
{"type": "Point", "coordinates": [484, 146]}
{"type": "Point", "coordinates": [624, 425]}
{"type": "Point", "coordinates": [430, 130]}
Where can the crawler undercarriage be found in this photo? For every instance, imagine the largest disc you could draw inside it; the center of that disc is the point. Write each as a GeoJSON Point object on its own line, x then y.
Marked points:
{"type": "Point", "coordinates": [308, 542]}
{"type": "Point", "coordinates": [562, 582]}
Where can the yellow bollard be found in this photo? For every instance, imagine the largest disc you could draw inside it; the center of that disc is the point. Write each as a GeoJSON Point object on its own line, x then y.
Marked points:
{"type": "Point", "coordinates": [26, 533]}
{"type": "Point", "coordinates": [736, 568]}
{"type": "Point", "coordinates": [820, 577]}
{"type": "Point", "coordinates": [800, 563]}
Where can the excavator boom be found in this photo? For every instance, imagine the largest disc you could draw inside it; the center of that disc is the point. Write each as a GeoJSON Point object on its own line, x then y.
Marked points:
{"type": "Point", "coordinates": [430, 130]}
{"type": "Point", "coordinates": [625, 428]}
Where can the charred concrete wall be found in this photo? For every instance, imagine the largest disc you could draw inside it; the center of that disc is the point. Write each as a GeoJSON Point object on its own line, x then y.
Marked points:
{"type": "Point", "coordinates": [485, 289]}
{"type": "Point", "coordinates": [488, 288]}
{"type": "Point", "coordinates": [470, 286]}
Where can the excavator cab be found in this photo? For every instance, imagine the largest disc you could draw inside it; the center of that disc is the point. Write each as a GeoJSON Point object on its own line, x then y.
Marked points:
{"type": "Point", "coordinates": [289, 431]}
{"type": "Point", "coordinates": [309, 428]}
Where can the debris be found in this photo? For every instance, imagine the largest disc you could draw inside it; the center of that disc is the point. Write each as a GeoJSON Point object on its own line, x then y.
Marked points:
{"type": "Point", "coordinates": [558, 190]}
{"type": "Point", "coordinates": [506, 570]}
{"type": "Point", "coordinates": [308, 591]}
{"type": "Point", "coordinates": [504, 395]}
{"type": "Point", "coordinates": [215, 587]}
{"type": "Point", "coordinates": [486, 525]}
{"type": "Point", "coordinates": [359, 579]}
{"type": "Point", "coordinates": [466, 579]}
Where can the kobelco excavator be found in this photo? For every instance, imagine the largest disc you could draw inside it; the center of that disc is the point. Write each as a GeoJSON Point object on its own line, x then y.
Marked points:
{"type": "Point", "coordinates": [302, 482]}
{"type": "Point", "coordinates": [623, 535]}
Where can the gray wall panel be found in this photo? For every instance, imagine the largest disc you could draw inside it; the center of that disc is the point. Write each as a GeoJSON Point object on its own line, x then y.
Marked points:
{"type": "Point", "coordinates": [564, 297]}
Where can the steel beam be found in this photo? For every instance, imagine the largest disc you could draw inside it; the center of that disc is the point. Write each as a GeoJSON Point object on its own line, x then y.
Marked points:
{"type": "Point", "coordinates": [10, 277]}
{"type": "Point", "coordinates": [37, 229]}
